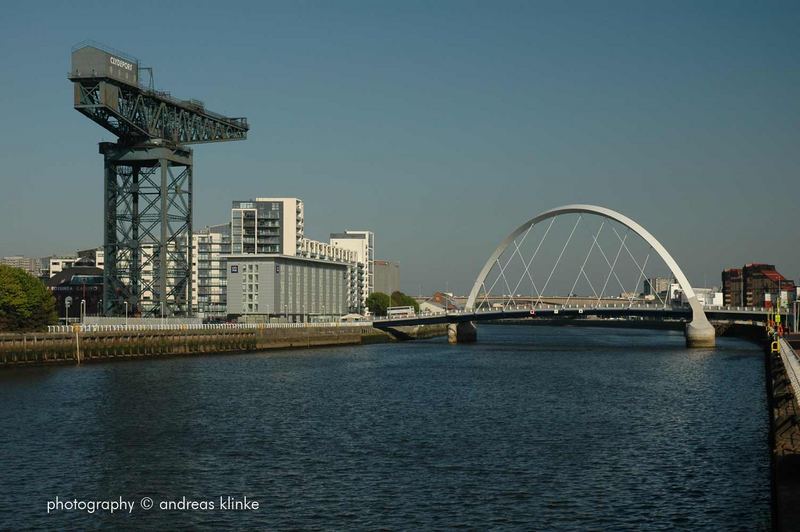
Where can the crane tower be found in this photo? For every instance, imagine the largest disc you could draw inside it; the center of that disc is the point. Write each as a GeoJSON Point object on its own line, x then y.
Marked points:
{"type": "Point", "coordinates": [147, 231]}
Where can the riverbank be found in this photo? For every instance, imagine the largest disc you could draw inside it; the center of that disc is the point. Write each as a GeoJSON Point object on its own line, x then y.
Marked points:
{"type": "Point", "coordinates": [36, 349]}
{"type": "Point", "coordinates": [783, 388]}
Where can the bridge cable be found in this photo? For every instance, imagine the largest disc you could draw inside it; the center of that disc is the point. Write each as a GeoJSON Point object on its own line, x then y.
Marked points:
{"type": "Point", "coordinates": [632, 258]}
{"type": "Point", "coordinates": [526, 270]}
{"type": "Point", "coordinates": [619, 251]}
{"type": "Point", "coordinates": [560, 255]}
{"type": "Point", "coordinates": [486, 293]}
{"type": "Point", "coordinates": [638, 280]}
{"type": "Point", "coordinates": [608, 262]}
{"type": "Point", "coordinates": [582, 271]}
{"type": "Point", "coordinates": [521, 258]}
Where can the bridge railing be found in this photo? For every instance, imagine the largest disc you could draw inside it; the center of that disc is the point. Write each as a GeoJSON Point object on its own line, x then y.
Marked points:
{"type": "Point", "coordinates": [579, 307]}
{"type": "Point", "coordinates": [199, 326]}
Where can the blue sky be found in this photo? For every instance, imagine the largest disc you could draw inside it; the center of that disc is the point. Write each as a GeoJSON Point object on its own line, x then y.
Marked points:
{"type": "Point", "coordinates": [439, 125]}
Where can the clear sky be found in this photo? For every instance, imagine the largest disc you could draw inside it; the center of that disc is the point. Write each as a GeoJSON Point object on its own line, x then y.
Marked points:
{"type": "Point", "coordinates": [441, 126]}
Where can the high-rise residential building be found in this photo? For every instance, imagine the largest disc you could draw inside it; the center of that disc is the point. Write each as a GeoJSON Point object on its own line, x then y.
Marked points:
{"type": "Point", "coordinates": [387, 276]}
{"type": "Point", "coordinates": [210, 247]}
{"type": "Point", "coordinates": [29, 264]}
{"type": "Point", "coordinates": [267, 225]}
{"type": "Point", "coordinates": [363, 243]}
{"type": "Point", "coordinates": [274, 271]}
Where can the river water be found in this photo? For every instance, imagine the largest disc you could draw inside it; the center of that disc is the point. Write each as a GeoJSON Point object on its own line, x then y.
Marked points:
{"type": "Point", "coordinates": [533, 428]}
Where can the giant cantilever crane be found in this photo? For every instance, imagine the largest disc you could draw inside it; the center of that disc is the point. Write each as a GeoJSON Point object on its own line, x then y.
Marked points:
{"type": "Point", "coordinates": [147, 236]}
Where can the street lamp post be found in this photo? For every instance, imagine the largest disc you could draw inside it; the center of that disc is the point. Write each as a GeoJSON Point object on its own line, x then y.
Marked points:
{"type": "Point", "coordinates": [83, 309]}
{"type": "Point", "coordinates": [126, 313]}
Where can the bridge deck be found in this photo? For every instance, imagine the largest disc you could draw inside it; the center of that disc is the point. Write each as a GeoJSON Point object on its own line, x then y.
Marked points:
{"type": "Point", "coordinates": [729, 314]}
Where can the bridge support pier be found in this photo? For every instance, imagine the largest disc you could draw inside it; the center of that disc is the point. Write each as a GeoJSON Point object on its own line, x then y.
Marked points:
{"type": "Point", "coordinates": [462, 333]}
{"type": "Point", "coordinates": [700, 334]}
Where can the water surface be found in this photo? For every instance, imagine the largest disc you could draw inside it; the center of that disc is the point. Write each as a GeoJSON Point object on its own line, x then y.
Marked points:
{"type": "Point", "coordinates": [531, 428]}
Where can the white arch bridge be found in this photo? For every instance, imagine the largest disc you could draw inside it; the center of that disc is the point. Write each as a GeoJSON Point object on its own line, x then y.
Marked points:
{"type": "Point", "coordinates": [507, 286]}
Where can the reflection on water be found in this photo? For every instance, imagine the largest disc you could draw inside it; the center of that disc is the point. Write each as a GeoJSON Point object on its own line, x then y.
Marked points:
{"type": "Point", "coordinates": [532, 427]}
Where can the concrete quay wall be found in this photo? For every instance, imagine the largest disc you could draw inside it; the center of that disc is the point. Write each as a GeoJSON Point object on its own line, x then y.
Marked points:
{"type": "Point", "coordinates": [783, 391]}
{"type": "Point", "coordinates": [83, 347]}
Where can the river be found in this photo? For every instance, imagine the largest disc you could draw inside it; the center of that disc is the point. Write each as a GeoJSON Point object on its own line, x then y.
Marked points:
{"type": "Point", "coordinates": [535, 428]}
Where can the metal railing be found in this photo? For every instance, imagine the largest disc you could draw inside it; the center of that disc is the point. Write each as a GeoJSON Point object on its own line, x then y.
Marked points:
{"type": "Point", "coordinates": [581, 307]}
{"type": "Point", "coordinates": [199, 326]}
{"type": "Point", "coordinates": [792, 365]}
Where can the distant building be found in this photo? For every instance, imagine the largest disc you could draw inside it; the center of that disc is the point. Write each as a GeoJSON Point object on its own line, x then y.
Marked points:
{"type": "Point", "coordinates": [387, 276]}
{"type": "Point", "coordinates": [733, 287]}
{"type": "Point", "coordinates": [94, 254]}
{"type": "Point", "coordinates": [444, 300]}
{"type": "Point", "coordinates": [58, 264]}
{"type": "Point", "coordinates": [430, 307]}
{"type": "Point", "coordinates": [81, 281]}
{"type": "Point", "coordinates": [756, 285]}
{"type": "Point", "coordinates": [656, 286]}
{"type": "Point", "coordinates": [29, 264]}
{"type": "Point", "coordinates": [705, 296]}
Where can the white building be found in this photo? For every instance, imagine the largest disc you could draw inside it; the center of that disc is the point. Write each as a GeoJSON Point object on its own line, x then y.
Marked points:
{"type": "Point", "coordinates": [706, 296]}
{"type": "Point", "coordinates": [59, 264]}
{"type": "Point", "coordinates": [268, 233]}
{"type": "Point", "coordinates": [210, 247]}
{"type": "Point", "coordinates": [363, 244]}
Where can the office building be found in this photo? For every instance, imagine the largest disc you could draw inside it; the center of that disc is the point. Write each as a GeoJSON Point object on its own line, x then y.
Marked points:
{"type": "Point", "coordinates": [295, 289]}
{"type": "Point", "coordinates": [387, 276]}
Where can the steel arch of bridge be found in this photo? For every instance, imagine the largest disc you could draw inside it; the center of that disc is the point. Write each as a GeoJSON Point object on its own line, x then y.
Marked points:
{"type": "Point", "coordinates": [698, 315]}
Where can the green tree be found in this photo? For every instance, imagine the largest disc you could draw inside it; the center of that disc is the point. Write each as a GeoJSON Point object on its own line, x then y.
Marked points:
{"type": "Point", "coordinates": [377, 302]}
{"type": "Point", "coordinates": [399, 299]}
{"type": "Point", "coordinates": [25, 302]}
